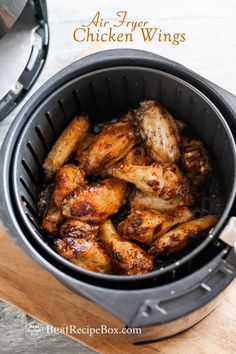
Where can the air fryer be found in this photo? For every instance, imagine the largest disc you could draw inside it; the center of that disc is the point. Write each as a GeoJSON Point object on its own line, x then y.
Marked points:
{"type": "Point", "coordinates": [180, 292]}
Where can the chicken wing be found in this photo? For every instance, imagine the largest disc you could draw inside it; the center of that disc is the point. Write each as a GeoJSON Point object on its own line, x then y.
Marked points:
{"type": "Point", "coordinates": [65, 145]}
{"type": "Point", "coordinates": [139, 199]}
{"type": "Point", "coordinates": [145, 226]}
{"type": "Point", "coordinates": [136, 156]}
{"type": "Point", "coordinates": [96, 201]}
{"type": "Point", "coordinates": [86, 253]}
{"type": "Point", "coordinates": [158, 129]}
{"type": "Point", "coordinates": [174, 240]}
{"type": "Point", "coordinates": [78, 229]}
{"type": "Point", "coordinates": [195, 161]}
{"type": "Point", "coordinates": [165, 180]}
{"type": "Point", "coordinates": [109, 146]}
{"type": "Point", "coordinates": [67, 179]}
{"type": "Point", "coordinates": [128, 258]}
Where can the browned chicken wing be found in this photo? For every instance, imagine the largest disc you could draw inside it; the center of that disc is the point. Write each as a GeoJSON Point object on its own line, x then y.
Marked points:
{"type": "Point", "coordinates": [163, 179]}
{"type": "Point", "coordinates": [128, 258]}
{"type": "Point", "coordinates": [96, 201]}
{"type": "Point", "coordinates": [76, 228]}
{"type": "Point", "coordinates": [174, 240]}
{"type": "Point", "coordinates": [67, 179]}
{"type": "Point", "coordinates": [195, 161]}
{"type": "Point", "coordinates": [86, 253]}
{"type": "Point", "coordinates": [66, 144]}
{"type": "Point", "coordinates": [158, 129]}
{"type": "Point", "coordinates": [145, 226]}
{"type": "Point", "coordinates": [109, 146]}
{"type": "Point", "coordinates": [139, 199]}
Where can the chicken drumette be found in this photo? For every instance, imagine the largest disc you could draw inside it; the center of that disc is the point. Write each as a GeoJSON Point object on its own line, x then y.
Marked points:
{"type": "Point", "coordinates": [127, 257]}
{"type": "Point", "coordinates": [85, 252]}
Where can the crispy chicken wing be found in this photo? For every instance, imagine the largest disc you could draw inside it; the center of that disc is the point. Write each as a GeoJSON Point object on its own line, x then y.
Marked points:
{"type": "Point", "coordinates": [139, 199]}
{"type": "Point", "coordinates": [109, 146]}
{"type": "Point", "coordinates": [158, 129]}
{"type": "Point", "coordinates": [96, 201]}
{"type": "Point", "coordinates": [195, 161]}
{"type": "Point", "coordinates": [76, 228]}
{"type": "Point", "coordinates": [128, 258]}
{"type": "Point", "coordinates": [145, 226]}
{"type": "Point", "coordinates": [66, 144]}
{"type": "Point", "coordinates": [86, 253]}
{"type": "Point", "coordinates": [67, 179]}
{"type": "Point", "coordinates": [174, 240]}
{"type": "Point", "coordinates": [165, 180]}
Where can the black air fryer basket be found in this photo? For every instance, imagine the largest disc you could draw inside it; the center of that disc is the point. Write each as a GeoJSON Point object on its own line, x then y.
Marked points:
{"type": "Point", "coordinates": [106, 85]}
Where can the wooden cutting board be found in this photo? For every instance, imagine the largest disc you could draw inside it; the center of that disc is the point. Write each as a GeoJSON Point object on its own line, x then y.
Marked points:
{"type": "Point", "coordinates": [26, 285]}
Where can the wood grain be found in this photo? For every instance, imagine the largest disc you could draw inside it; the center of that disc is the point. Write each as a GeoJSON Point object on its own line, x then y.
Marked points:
{"type": "Point", "coordinates": [26, 285]}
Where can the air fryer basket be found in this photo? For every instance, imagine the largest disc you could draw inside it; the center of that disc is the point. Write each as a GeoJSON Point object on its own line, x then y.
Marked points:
{"type": "Point", "coordinates": [105, 91]}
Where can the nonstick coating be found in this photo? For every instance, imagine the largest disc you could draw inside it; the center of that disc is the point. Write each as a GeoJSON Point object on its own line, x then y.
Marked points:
{"type": "Point", "coordinates": [106, 94]}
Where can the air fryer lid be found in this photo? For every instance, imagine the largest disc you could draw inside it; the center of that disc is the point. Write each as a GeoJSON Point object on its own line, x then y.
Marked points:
{"type": "Point", "coordinates": [22, 55]}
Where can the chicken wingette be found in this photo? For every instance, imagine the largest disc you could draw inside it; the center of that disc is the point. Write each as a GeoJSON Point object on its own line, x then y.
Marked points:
{"type": "Point", "coordinates": [139, 199]}
{"type": "Point", "coordinates": [159, 131]}
{"type": "Point", "coordinates": [108, 146]}
{"type": "Point", "coordinates": [65, 145]}
{"type": "Point", "coordinates": [195, 161]}
{"type": "Point", "coordinates": [165, 180]}
{"type": "Point", "coordinates": [127, 257]}
{"type": "Point", "coordinates": [86, 253]}
{"type": "Point", "coordinates": [145, 225]}
{"type": "Point", "coordinates": [174, 240]}
{"type": "Point", "coordinates": [94, 202]}
{"type": "Point", "coordinates": [67, 179]}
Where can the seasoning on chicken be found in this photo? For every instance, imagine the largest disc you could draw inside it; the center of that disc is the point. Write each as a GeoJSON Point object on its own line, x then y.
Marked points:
{"type": "Point", "coordinates": [86, 253]}
{"type": "Point", "coordinates": [109, 146]}
{"type": "Point", "coordinates": [96, 201]}
{"type": "Point", "coordinates": [136, 156]}
{"type": "Point", "coordinates": [159, 131]}
{"type": "Point", "coordinates": [145, 226]}
{"type": "Point", "coordinates": [67, 179]}
{"type": "Point", "coordinates": [163, 179]}
{"type": "Point", "coordinates": [195, 161]}
{"type": "Point", "coordinates": [76, 228]}
{"type": "Point", "coordinates": [128, 258]}
{"type": "Point", "coordinates": [66, 144]}
{"type": "Point", "coordinates": [139, 199]}
{"type": "Point", "coordinates": [174, 240]}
